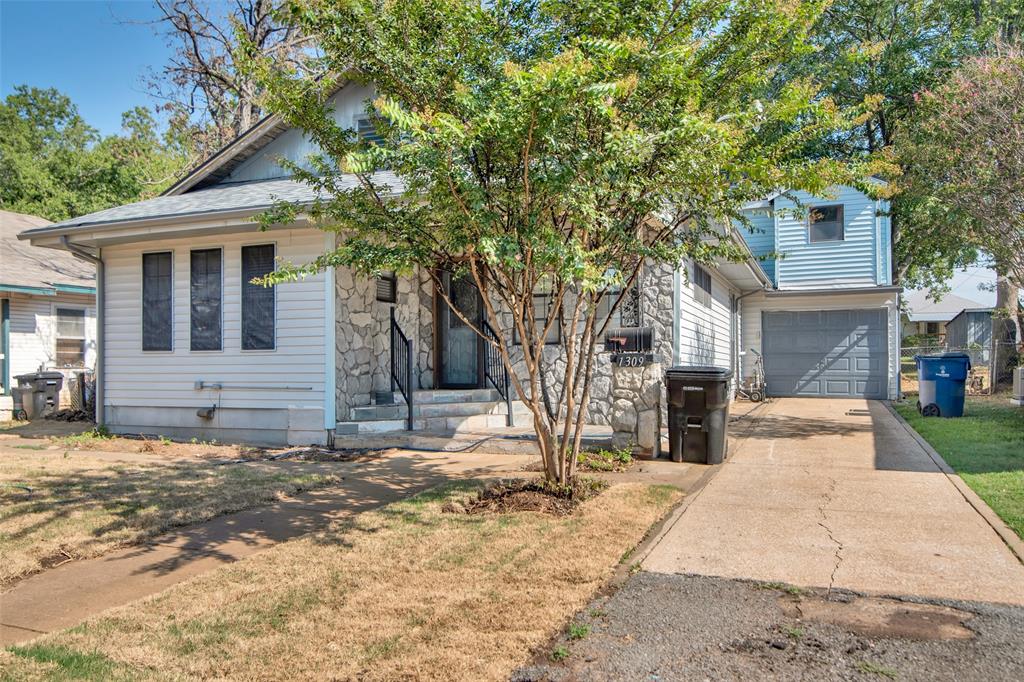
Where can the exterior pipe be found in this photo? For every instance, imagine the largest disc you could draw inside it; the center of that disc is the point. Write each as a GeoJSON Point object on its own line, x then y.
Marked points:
{"type": "Point", "coordinates": [96, 260]}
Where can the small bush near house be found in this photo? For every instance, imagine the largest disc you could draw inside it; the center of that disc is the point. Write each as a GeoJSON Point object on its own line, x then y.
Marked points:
{"type": "Point", "coordinates": [606, 460]}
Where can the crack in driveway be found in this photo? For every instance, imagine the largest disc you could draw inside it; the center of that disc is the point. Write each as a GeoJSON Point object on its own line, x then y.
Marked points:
{"type": "Point", "coordinates": [838, 555]}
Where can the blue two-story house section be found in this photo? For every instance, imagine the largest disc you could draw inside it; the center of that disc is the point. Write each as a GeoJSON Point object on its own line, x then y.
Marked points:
{"type": "Point", "coordinates": [828, 326]}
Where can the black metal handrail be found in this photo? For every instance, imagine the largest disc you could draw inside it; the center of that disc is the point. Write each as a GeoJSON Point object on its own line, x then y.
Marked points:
{"type": "Point", "coordinates": [402, 357]}
{"type": "Point", "coordinates": [495, 371]}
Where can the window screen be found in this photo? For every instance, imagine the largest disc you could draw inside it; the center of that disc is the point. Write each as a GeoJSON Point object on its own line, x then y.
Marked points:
{"type": "Point", "coordinates": [257, 300]}
{"type": "Point", "coordinates": [205, 292]}
{"type": "Point", "coordinates": [70, 337]}
{"type": "Point", "coordinates": [367, 131]}
{"type": "Point", "coordinates": [541, 311]}
{"type": "Point", "coordinates": [387, 287]}
{"type": "Point", "coordinates": [157, 318]}
{"type": "Point", "coordinates": [702, 286]}
{"type": "Point", "coordinates": [825, 224]}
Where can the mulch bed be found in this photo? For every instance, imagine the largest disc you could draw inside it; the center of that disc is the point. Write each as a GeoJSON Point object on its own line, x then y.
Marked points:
{"type": "Point", "coordinates": [520, 495]}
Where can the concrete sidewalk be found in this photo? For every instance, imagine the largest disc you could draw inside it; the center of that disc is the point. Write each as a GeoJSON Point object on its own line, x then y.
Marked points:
{"type": "Point", "coordinates": [836, 493]}
{"type": "Point", "coordinates": [66, 595]}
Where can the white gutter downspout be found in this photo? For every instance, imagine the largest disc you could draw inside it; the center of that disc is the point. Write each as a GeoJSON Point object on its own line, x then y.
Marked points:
{"type": "Point", "coordinates": [96, 260]}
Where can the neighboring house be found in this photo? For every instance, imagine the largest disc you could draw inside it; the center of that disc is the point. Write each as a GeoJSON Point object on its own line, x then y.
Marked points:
{"type": "Point", "coordinates": [47, 307]}
{"type": "Point", "coordinates": [925, 316]}
{"type": "Point", "coordinates": [970, 329]}
{"type": "Point", "coordinates": [189, 347]}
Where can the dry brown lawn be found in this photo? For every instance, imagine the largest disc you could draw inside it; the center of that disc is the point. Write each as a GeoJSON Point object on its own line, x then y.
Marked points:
{"type": "Point", "coordinates": [407, 592]}
{"type": "Point", "coordinates": [57, 506]}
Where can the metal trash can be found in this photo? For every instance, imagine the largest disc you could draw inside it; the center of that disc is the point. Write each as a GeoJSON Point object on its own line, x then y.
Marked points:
{"type": "Point", "coordinates": [44, 397]}
{"type": "Point", "coordinates": [942, 382]}
{"type": "Point", "coordinates": [698, 413]}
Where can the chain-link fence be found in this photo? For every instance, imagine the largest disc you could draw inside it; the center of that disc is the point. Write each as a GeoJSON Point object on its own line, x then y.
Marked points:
{"type": "Point", "coordinates": [991, 367]}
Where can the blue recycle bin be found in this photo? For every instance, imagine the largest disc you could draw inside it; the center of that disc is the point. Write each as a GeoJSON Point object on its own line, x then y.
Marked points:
{"type": "Point", "coordinates": [942, 380]}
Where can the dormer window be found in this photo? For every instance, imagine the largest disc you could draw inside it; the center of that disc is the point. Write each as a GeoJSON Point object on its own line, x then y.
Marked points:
{"type": "Point", "coordinates": [825, 224]}
{"type": "Point", "coordinates": [367, 131]}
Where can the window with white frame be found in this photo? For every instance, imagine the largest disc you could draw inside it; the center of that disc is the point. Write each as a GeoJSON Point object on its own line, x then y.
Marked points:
{"type": "Point", "coordinates": [825, 224]}
{"type": "Point", "coordinates": [257, 299]}
{"type": "Point", "coordinates": [157, 313]}
{"type": "Point", "coordinates": [205, 294]}
{"type": "Point", "coordinates": [701, 286]}
{"type": "Point", "coordinates": [70, 337]}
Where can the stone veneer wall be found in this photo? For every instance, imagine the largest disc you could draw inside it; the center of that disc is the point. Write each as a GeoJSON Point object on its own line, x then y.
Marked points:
{"type": "Point", "coordinates": [362, 341]}
{"type": "Point", "coordinates": [617, 398]}
{"type": "Point", "coordinates": [362, 346]}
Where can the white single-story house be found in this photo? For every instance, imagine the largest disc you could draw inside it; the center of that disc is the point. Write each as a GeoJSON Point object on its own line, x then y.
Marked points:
{"type": "Point", "coordinates": [189, 348]}
{"type": "Point", "coordinates": [47, 309]}
{"type": "Point", "coordinates": [926, 316]}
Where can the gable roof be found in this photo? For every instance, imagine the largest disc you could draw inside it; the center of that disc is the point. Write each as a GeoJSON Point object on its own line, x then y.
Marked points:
{"type": "Point", "coordinates": [229, 157]}
{"type": "Point", "coordinates": [243, 199]}
{"type": "Point", "coordinates": [35, 270]}
{"type": "Point", "coordinates": [922, 308]}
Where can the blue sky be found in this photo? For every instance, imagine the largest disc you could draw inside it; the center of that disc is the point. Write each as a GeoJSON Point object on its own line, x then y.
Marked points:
{"type": "Point", "coordinates": [84, 48]}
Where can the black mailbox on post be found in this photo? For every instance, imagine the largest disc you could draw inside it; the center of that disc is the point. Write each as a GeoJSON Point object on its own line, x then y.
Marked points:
{"type": "Point", "coordinates": [629, 340]}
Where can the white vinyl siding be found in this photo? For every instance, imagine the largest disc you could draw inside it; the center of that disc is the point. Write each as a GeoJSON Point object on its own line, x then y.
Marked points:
{"type": "Point", "coordinates": [167, 379]}
{"type": "Point", "coordinates": [752, 307]}
{"type": "Point", "coordinates": [33, 340]}
{"type": "Point", "coordinates": [704, 331]}
{"type": "Point", "coordinates": [850, 262]}
{"type": "Point", "coordinates": [348, 106]}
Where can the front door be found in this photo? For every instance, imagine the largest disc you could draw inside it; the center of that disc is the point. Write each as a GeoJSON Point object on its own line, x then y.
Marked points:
{"type": "Point", "coordinates": [459, 345]}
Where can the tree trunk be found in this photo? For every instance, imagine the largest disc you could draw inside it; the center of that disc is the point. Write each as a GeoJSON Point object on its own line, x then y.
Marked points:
{"type": "Point", "coordinates": [1006, 325]}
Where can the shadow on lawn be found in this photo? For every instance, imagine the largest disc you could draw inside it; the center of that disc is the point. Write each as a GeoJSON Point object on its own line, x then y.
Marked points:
{"type": "Point", "coordinates": [180, 491]}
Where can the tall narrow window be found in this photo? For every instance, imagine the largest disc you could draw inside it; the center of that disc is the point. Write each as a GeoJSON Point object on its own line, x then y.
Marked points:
{"type": "Point", "coordinates": [70, 337]}
{"type": "Point", "coordinates": [825, 224]}
{"type": "Point", "coordinates": [257, 300]}
{"type": "Point", "coordinates": [387, 287]}
{"type": "Point", "coordinates": [702, 286]}
{"type": "Point", "coordinates": [205, 291]}
{"type": "Point", "coordinates": [157, 318]}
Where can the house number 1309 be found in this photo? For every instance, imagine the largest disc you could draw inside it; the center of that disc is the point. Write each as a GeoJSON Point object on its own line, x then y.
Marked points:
{"type": "Point", "coordinates": [632, 360]}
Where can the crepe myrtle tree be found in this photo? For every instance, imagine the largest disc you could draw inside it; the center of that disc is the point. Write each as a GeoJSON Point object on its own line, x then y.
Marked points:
{"type": "Point", "coordinates": [555, 145]}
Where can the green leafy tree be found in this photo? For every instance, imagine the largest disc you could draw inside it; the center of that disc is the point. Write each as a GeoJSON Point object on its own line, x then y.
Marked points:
{"type": "Point", "coordinates": [552, 146]}
{"type": "Point", "coordinates": [964, 180]}
{"type": "Point", "coordinates": [53, 164]}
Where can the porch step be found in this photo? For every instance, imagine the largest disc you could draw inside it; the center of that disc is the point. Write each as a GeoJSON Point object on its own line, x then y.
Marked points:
{"type": "Point", "coordinates": [427, 409]}
{"type": "Point", "coordinates": [452, 417]}
{"type": "Point", "coordinates": [447, 395]}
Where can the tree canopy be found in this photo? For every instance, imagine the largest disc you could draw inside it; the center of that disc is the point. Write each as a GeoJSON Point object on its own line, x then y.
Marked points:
{"type": "Point", "coordinates": [555, 146]}
{"type": "Point", "coordinates": [54, 165]}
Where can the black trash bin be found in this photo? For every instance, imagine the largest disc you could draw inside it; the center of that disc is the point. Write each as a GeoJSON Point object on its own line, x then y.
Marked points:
{"type": "Point", "coordinates": [44, 395]}
{"type": "Point", "coordinates": [698, 413]}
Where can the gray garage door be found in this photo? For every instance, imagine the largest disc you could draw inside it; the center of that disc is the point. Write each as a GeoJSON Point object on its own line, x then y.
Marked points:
{"type": "Point", "coordinates": [826, 353]}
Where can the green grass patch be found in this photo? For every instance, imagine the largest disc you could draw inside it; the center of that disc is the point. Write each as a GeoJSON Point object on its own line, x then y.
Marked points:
{"type": "Point", "coordinates": [869, 668]}
{"type": "Point", "coordinates": [985, 447]}
{"type": "Point", "coordinates": [68, 664]}
{"type": "Point", "coordinates": [606, 460]}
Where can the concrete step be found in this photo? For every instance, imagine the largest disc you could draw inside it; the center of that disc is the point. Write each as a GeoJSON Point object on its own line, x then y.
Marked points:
{"type": "Point", "coordinates": [450, 424]}
{"type": "Point", "coordinates": [447, 395]}
{"type": "Point", "coordinates": [441, 409]}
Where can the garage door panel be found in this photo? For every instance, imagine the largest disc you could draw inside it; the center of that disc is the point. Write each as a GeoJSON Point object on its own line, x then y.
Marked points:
{"type": "Point", "coordinates": [835, 353]}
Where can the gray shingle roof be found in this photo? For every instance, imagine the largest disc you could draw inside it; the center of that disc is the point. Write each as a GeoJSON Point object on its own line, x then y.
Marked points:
{"type": "Point", "coordinates": [237, 197]}
{"type": "Point", "coordinates": [33, 266]}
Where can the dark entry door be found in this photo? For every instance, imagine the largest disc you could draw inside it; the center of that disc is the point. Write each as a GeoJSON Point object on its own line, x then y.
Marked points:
{"type": "Point", "coordinates": [459, 345]}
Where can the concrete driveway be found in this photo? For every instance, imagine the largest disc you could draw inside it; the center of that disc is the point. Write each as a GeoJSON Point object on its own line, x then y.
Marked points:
{"type": "Point", "coordinates": [836, 493]}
